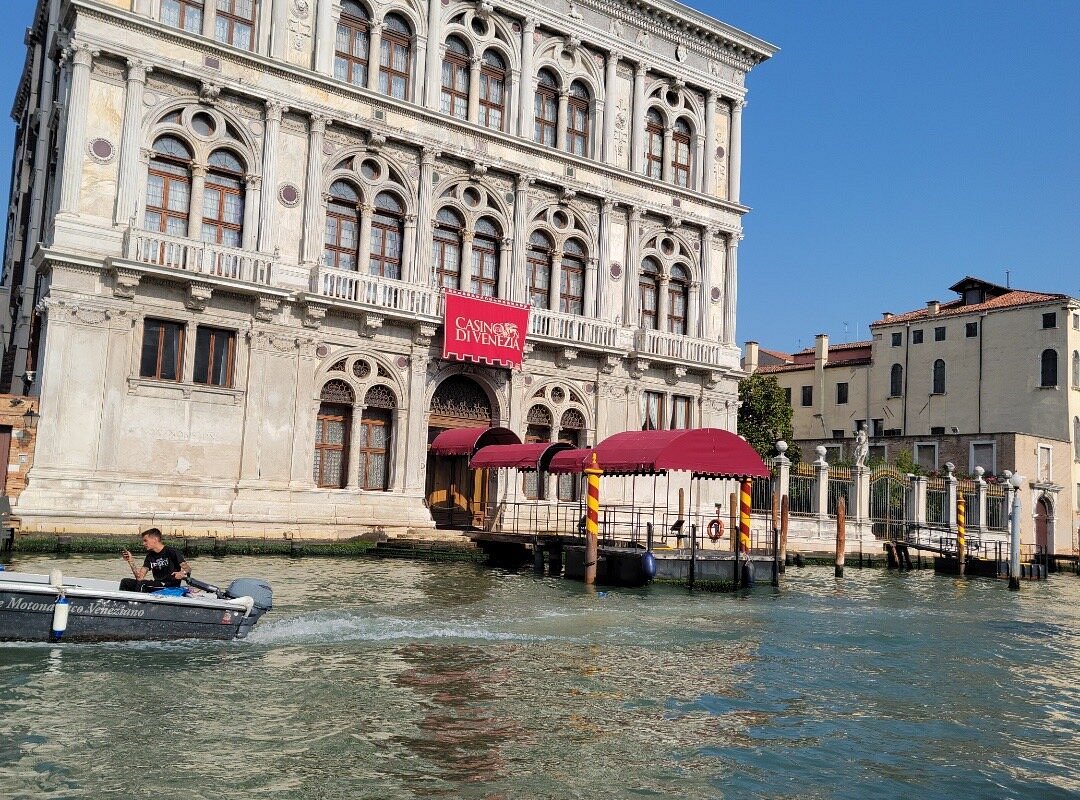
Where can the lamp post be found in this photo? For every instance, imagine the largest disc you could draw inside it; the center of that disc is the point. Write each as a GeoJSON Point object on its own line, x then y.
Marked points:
{"type": "Point", "coordinates": [1016, 479]}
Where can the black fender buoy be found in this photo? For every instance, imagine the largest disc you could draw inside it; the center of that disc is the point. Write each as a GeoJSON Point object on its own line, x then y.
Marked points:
{"type": "Point", "coordinates": [748, 575]}
{"type": "Point", "coordinates": [648, 566]}
{"type": "Point", "coordinates": [799, 560]}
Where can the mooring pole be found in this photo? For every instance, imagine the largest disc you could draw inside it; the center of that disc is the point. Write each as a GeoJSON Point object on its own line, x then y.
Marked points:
{"type": "Point", "coordinates": [1014, 537]}
{"type": "Point", "coordinates": [693, 556]}
{"type": "Point", "coordinates": [961, 540]}
{"type": "Point", "coordinates": [841, 535]}
{"type": "Point", "coordinates": [783, 532]}
{"type": "Point", "coordinates": [775, 540]}
{"type": "Point", "coordinates": [733, 514]}
{"type": "Point", "coordinates": [744, 525]}
{"type": "Point", "coordinates": [592, 520]}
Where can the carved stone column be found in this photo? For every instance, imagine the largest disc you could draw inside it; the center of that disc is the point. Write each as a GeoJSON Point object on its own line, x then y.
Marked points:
{"type": "Point", "coordinates": [352, 473]}
{"type": "Point", "coordinates": [325, 15]}
{"type": "Point", "coordinates": [252, 192]}
{"type": "Point", "coordinates": [424, 220]}
{"type": "Point", "coordinates": [374, 56]}
{"type": "Point", "coordinates": [474, 90]}
{"type": "Point", "coordinates": [693, 307]}
{"type": "Point", "coordinates": [633, 268]}
{"type": "Point", "coordinates": [735, 150]}
{"type": "Point", "coordinates": [313, 230]}
{"type": "Point", "coordinates": [127, 191]}
{"type": "Point", "coordinates": [506, 258]}
{"type": "Point", "coordinates": [603, 263]}
{"type": "Point", "coordinates": [432, 66]}
{"type": "Point", "coordinates": [610, 109]}
{"type": "Point", "coordinates": [588, 299]}
{"type": "Point", "coordinates": [666, 166]}
{"type": "Point", "coordinates": [555, 284]}
{"type": "Point", "coordinates": [279, 28]}
{"type": "Point", "coordinates": [708, 161]}
{"type": "Point", "coordinates": [702, 308]}
{"type": "Point", "coordinates": [518, 287]}
{"type": "Point", "coordinates": [271, 137]}
{"type": "Point", "coordinates": [400, 452]}
{"type": "Point", "coordinates": [637, 140]}
{"type": "Point", "coordinates": [525, 87]}
{"type": "Point", "coordinates": [363, 244]}
{"type": "Point", "coordinates": [75, 126]}
{"type": "Point", "coordinates": [465, 273]}
{"type": "Point", "coordinates": [731, 280]}
{"type": "Point", "coordinates": [408, 248]}
{"type": "Point", "coordinates": [663, 304]}
{"type": "Point", "coordinates": [198, 189]}
{"type": "Point", "coordinates": [560, 130]}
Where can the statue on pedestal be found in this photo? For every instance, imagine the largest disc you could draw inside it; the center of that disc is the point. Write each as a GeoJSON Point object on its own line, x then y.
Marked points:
{"type": "Point", "coordinates": [862, 447]}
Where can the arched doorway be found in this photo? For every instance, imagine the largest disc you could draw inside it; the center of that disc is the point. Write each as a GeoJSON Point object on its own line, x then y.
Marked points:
{"type": "Point", "coordinates": [1044, 522]}
{"type": "Point", "coordinates": [456, 495]}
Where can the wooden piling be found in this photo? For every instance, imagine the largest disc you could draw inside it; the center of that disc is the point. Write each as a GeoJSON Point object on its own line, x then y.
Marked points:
{"type": "Point", "coordinates": [733, 514]}
{"type": "Point", "coordinates": [777, 568]}
{"type": "Point", "coordinates": [783, 532]}
{"type": "Point", "coordinates": [841, 536]}
{"type": "Point", "coordinates": [592, 517]}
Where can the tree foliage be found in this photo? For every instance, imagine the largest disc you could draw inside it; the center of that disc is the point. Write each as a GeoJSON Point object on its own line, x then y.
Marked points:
{"type": "Point", "coordinates": [765, 416]}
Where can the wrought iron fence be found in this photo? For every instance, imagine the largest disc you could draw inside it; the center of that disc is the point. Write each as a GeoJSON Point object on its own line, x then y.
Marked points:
{"type": "Point", "coordinates": [761, 492]}
{"type": "Point", "coordinates": [840, 485]}
{"type": "Point", "coordinates": [888, 502]}
{"type": "Point", "coordinates": [801, 490]}
{"type": "Point", "coordinates": [937, 500]}
{"type": "Point", "coordinates": [997, 511]}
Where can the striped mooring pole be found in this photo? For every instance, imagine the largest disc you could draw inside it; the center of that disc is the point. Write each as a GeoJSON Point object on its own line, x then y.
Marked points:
{"type": "Point", "coordinates": [744, 518]}
{"type": "Point", "coordinates": [592, 520]}
{"type": "Point", "coordinates": [961, 530]}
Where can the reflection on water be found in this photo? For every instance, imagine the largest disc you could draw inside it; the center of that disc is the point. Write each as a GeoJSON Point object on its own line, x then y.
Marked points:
{"type": "Point", "coordinates": [388, 679]}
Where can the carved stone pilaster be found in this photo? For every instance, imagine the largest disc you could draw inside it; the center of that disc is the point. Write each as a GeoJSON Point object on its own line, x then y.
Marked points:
{"type": "Point", "coordinates": [198, 295]}
{"type": "Point", "coordinates": [266, 307]}
{"type": "Point", "coordinates": [125, 282]}
{"type": "Point", "coordinates": [314, 314]}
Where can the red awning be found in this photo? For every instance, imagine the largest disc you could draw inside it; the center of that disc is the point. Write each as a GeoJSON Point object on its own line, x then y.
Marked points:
{"type": "Point", "coordinates": [571, 460]}
{"type": "Point", "coordinates": [705, 452]}
{"type": "Point", "coordinates": [524, 457]}
{"type": "Point", "coordinates": [466, 441]}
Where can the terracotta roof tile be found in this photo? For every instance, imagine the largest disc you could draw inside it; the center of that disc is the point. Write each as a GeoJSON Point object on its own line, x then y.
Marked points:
{"type": "Point", "coordinates": [1013, 299]}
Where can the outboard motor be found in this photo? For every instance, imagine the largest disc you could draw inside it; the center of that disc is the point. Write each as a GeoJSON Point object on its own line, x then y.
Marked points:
{"type": "Point", "coordinates": [256, 589]}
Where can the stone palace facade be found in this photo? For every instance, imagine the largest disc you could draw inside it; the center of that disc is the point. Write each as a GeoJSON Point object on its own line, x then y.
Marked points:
{"type": "Point", "coordinates": [231, 223]}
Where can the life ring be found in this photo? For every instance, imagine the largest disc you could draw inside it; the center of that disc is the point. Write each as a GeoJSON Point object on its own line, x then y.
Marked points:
{"type": "Point", "coordinates": [716, 530]}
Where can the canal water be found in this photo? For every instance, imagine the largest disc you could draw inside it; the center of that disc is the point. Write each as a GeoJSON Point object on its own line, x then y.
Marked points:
{"type": "Point", "coordinates": [398, 679]}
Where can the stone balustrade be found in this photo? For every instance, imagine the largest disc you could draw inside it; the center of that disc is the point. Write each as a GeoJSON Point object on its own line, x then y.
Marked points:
{"type": "Point", "coordinates": [201, 258]}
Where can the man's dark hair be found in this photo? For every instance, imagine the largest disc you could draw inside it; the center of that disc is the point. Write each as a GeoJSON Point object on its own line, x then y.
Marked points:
{"type": "Point", "coordinates": [152, 532]}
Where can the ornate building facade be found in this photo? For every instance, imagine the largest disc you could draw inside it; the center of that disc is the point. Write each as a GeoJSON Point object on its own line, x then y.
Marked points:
{"type": "Point", "coordinates": [232, 222]}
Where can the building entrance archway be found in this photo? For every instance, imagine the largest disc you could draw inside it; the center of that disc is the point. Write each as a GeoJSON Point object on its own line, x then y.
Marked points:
{"type": "Point", "coordinates": [456, 495]}
{"type": "Point", "coordinates": [1044, 525]}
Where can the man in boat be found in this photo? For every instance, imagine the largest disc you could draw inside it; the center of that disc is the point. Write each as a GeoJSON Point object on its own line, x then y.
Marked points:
{"type": "Point", "coordinates": [165, 563]}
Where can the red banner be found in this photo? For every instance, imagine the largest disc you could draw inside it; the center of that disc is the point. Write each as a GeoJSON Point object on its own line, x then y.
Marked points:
{"type": "Point", "coordinates": [484, 329]}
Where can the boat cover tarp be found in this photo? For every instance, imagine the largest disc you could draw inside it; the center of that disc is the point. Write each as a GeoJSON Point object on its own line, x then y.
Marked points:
{"type": "Point", "coordinates": [704, 452]}
{"type": "Point", "coordinates": [524, 457]}
{"type": "Point", "coordinates": [466, 441]}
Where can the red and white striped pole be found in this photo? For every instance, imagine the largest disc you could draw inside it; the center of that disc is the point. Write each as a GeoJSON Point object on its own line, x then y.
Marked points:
{"type": "Point", "coordinates": [592, 519]}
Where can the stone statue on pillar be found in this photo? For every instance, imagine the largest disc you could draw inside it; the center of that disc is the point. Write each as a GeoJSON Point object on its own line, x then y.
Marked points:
{"type": "Point", "coordinates": [862, 447]}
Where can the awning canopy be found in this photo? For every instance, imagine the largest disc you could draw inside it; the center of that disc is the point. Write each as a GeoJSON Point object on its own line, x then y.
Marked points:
{"type": "Point", "coordinates": [466, 441]}
{"type": "Point", "coordinates": [525, 457]}
{"type": "Point", "coordinates": [571, 460]}
{"type": "Point", "coordinates": [704, 452]}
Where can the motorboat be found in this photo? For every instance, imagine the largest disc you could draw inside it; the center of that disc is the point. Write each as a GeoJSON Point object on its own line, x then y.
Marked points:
{"type": "Point", "coordinates": [55, 607]}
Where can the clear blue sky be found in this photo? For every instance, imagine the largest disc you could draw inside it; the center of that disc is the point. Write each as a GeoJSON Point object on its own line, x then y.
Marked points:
{"type": "Point", "coordinates": [889, 149]}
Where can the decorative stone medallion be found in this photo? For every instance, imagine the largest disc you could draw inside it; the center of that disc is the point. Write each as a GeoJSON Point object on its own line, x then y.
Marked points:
{"type": "Point", "coordinates": [101, 150]}
{"type": "Point", "coordinates": [289, 195]}
{"type": "Point", "coordinates": [616, 270]}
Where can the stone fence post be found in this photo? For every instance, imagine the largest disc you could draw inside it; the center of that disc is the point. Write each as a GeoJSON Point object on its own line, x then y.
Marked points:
{"type": "Point", "coordinates": [781, 472]}
{"type": "Point", "coordinates": [950, 495]}
{"type": "Point", "coordinates": [821, 487]}
{"type": "Point", "coordinates": [860, 511]}
{"type": "Point", "coordinates": [916, 505]}
{"type": "Point", "coordinates": [977, 515]}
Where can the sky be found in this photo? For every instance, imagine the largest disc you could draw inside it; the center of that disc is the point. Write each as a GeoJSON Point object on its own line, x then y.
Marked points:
{"type": "Point", "coordinates": [889, 149]}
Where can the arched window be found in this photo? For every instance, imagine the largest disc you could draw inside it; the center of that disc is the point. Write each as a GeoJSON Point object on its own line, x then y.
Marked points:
{"type": "Point", "coordinates": [680, 153]}
{"type": "Point", "coordinates": [235, 22]}
{"type": "Point", "coordinates": [332, 425]}
{"type": "Point", "coordinates": [446, 252]}
{"type": "Point", "coordinates": [577, 119]}
{"type": "Point", "coordinates": [387, 228]}
{"type": "Point", "coordinates": [485, 258]}
{"type": "Point", "coordinates": [896, 381]}
{"type": "Point", "coordinates": [492, 90]}
{"type": "Point", "coordinates": [342, 227]}
{"type": "Point", "coordinates": [538, 259]}
{"type": "Point", "coordinates": [654, 144]}
{"type": "Point", "coordinates": [223, 200]}
{"type": "Point", "coordinates": [649, 292]}
{"type": "Point", "coordinates": [374, 438]}
{"type": "Point", "coordinates": [351, 47]}
{"type": "Point", "coordinates": [395, 57]}
{"type": "Point", "coordinates": [184, 14]}
{"type": "Point", "coordinates": [939, 377]}
{"type": "Point", "coordinates": [546, 108]}
{"type": "Point", "coordinates": [1049, 368]}
{"type": "Point", "coordinates": [538, 429]}
{"type": "Point", "coordinates": [679, 299]}
{"type": "Point", "coordinates": [455, 79]}
{"type": "Point", "coordinates": [571, 431]}
{"type": "Point", "coordinates": [572, 291]}
{"type": "Point", "coordinates": [168, 187]}
{"type": "Point", "coordinates": [1076, 369]}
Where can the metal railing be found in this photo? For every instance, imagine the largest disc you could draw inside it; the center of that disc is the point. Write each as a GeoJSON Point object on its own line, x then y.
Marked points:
{"type": "Point", "coordinates": [937, 512]}
{"type": "Point", "coordinates": [997, 511]}
{"type": "Point", "coordinates": [201, 258]}
{"type": "Point", "coordinates": [802, 487]}
{"type": "Point", "coordinates": [840, 485]}
{"type": "Point", "coordinates": [761, 492]}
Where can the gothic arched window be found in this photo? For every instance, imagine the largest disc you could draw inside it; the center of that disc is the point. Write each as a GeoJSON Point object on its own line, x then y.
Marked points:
{"type": "Point", "coordinates": [387, 230]}
{"type": "Point", "coordinates": [572, 290]}
{"type": "Point", "coordinates": [374, 436]}
{"type": "Point", "coordinates": [395, 57]}
{"type": "Point", "coordinates": [539, 424]}
{"type": "Point", "coordinates": [577, 119]}
{"type": "Point", "coordinates": [492, 90]}
{"type": "Point", "coordinates": [446, 251]}
{"type": "Point", "coordinates": [679, 299]}
{"type": "Point", "coordinates": [168, 187]}
{"type": "Point", "coordinates": [546, 108]}
{"type": "Point", "coordinates": [654, 144]}
{"type": "Point", "coordinates": [332, 424]}
{"type": "Point", "coordinates": [538, 259]}
{"type": "Point", "coordinates": [342, 238]}
{"type": "Point", "coordinates": [223, 200]}
{"type": "Point", "coordinates": [485, 258]}
{"type": "Point", "coordinates": [455, 79]}
{"type": "Point", "coordinates": [351, 48]}
{"type": "Point", "coordinates": [1049, 368]}
{"type": "Point", "coordinates": [649, 293]}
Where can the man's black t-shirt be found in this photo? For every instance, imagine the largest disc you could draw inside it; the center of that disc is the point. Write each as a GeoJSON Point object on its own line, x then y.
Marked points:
{"type": "Point", "coordinates": [164, 564]}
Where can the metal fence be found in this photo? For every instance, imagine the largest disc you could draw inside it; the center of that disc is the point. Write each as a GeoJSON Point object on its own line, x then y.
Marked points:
{"type": "Point", "coordinates": [888, 502]}
{"type": "Point", "coordinates": [761, 492]}
{"type": "Point", "coordinates": [801, 490]}
{"type": "Point", "coordinates": [937, 500]}
{"type": "Point", "coordinates": [997, 511]}
{"type": "Point", "coordinates": [840, 485]}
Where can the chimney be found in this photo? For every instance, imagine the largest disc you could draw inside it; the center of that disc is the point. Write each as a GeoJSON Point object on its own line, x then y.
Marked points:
{"type": "Point", "coordinates": [750, 357]}
{"type": "Point", "coordinates": [821, 348]}
{"type": "Point", "coordinates": [932, 307]}
{"type": "Point", "coordinates": [886, 315]}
